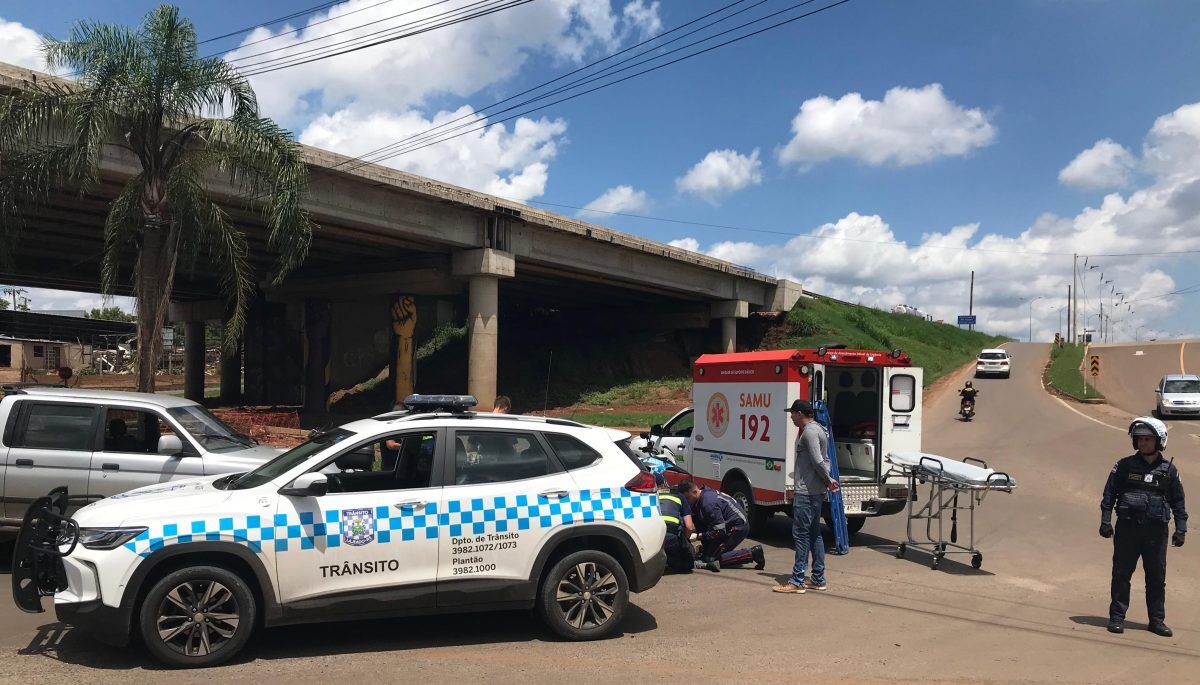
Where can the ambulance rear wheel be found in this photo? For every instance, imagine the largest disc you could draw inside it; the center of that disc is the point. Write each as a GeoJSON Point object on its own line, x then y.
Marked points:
{"type": "Point", "coordinates": [584, 596]}
{"type": "Point", "coordinates": [740, 491]}
{"type": "Point", "coordinates": [197, 616]}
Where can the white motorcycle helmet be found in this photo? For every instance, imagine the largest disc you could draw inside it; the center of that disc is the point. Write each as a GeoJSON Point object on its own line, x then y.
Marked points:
{"type": "Point", "coordinates": [1148, 425]}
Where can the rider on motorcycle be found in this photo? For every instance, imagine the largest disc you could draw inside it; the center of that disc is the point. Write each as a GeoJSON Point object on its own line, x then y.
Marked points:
{"type": "Point", "coordinates": [968, 394]}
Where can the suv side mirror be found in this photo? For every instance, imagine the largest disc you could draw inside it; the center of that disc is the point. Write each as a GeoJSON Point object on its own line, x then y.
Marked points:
{"type": "Point", "coordinates": [170, 445]}
{"type": "Point", "coordinates": [656, 430]}
{"type": "Point", "coordinates": [307, 485]}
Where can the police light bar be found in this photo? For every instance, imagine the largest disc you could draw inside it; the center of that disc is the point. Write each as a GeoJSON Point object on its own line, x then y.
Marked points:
{"type": "Point", "coordinates": [432, 403]}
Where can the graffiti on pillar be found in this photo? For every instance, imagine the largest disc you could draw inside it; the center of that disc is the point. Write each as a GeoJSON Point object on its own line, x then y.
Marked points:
{"type": "Point", "coordinates": [404, 322]}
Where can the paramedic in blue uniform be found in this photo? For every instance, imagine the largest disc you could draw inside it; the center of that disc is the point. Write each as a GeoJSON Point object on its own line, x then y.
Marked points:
{"type": "Point", "coordinates": [722, 525]}
{"type": "Point", "coordinates": [677, 514]}
{"type": "Point", "coordinates": [1145, 489]}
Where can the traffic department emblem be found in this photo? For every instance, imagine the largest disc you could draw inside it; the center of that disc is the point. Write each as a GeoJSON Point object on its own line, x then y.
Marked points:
{"type": "Point", "coordinates": [358, 526]}
{"type": "Point", "coordinates": [717, 414]}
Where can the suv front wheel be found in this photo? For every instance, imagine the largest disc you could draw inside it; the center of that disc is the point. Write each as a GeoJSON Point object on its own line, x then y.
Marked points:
{"type": "Point", "coordinates": [198, 616]}
{"type": "Point", "coordinates": [584, 596]}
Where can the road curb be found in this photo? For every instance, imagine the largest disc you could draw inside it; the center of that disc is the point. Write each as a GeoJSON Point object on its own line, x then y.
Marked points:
{"type": "Point", "coordinates": [1062, 395]}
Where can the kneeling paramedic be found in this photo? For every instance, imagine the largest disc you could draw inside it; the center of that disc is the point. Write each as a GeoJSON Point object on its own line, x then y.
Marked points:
{"type": "Point", "coordinates": [677, 514]}
{"type": "Point", "coordinates": [723, 526]}
{"type": "Point", "coordinates": [1144, 488]}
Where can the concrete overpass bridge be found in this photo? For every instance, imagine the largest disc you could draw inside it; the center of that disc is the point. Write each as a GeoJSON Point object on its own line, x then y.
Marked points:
{"type": "Point", "coordinates": [385, 234]}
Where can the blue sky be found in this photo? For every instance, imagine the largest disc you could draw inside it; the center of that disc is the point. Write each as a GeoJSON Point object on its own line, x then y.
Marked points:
{"type": "Point", "coordinates": [919, 117]}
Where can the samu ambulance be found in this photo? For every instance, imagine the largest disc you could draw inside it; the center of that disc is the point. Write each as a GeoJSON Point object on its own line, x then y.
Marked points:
{"type": "Point", "coordinates": [744, 441]}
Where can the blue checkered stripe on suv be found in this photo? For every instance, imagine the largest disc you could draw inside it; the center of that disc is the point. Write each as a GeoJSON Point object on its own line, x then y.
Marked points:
{"type": "Point", "coordinates": [474, 516]}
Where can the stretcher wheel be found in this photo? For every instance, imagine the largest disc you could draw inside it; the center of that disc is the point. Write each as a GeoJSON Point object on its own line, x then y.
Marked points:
{"type": "Point", "coordinates": [901, 550]}
{"type": "Point", "coordinates": [937, 560]}
{"type": "Point", "coordinates": [976, 560]}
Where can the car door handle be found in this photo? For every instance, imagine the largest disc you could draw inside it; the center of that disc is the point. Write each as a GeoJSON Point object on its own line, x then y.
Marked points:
{"type": "Point", "coordinates": [554, 494]}
{"type": "Point", "coordinates": [24, 462]}
{"type": "Point", "coordinates": [413, 504]}
{"type": "Point", "coordinates": [110, 467]}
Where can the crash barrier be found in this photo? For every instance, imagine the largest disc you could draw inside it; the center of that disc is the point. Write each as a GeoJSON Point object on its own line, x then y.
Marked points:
{"type": "Point", "coordinates": [948, 479]}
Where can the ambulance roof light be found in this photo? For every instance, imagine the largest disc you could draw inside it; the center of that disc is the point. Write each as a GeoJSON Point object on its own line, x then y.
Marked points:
{"type": "Point", "coordinates": [829, 346]}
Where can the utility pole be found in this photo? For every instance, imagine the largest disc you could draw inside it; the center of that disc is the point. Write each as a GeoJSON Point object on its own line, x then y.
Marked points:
{"type": "Point", "coordinates": [1069, 310]}
{"type": "Point", "coordinates": [971, 302]}
{"type": "Point", "coordinates": [1073, 311]}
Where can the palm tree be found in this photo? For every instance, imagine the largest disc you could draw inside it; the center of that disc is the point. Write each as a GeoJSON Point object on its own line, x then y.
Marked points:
{"type": "Point", "coordinates": [146, 91]}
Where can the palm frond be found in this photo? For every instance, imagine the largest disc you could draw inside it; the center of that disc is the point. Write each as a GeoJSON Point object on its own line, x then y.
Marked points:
{"type": "Point", "coordinates": [122, 223]}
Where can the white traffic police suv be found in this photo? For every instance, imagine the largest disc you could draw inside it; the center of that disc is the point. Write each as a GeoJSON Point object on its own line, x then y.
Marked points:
{"type": "Point", "coordinates": [435, 510]}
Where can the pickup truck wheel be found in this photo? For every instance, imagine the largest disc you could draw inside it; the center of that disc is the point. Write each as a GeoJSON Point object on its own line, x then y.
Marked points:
{"type": "Point", "coordinates": [196, 617]}
{"type": "Point", "coordinates": [584, 596]}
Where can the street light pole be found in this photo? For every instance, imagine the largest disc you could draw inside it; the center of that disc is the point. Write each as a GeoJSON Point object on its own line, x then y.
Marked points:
{"type": "Point", "coordinates": [1031, 316]}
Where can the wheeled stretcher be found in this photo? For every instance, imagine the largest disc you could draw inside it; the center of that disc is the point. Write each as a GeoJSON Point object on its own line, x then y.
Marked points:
{"type": "Point", "coordinates": [948, 481]}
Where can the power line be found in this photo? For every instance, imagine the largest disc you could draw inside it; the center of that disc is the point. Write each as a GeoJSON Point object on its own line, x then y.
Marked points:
{"type": "Point", "coordinates": [306, 26]}
{"type": "Point", "coordinates": [506, 4]}
{"type": "Point", "coordinates": [293, 55]}
{"type": "Point", "coordinates": [626, 78]}
{"type": "Point", "coordinates": [476, 112]}
{"type": "Point", "coordinates": [1143, 254]}
{"type": "Point", "coordinates": [276, 20]}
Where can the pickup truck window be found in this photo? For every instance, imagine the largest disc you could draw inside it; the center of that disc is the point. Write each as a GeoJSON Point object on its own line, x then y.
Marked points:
{"type": "Point", "coordinates": [58, 427]}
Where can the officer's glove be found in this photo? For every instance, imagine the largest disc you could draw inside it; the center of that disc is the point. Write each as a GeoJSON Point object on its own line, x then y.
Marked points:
{"type": "Point", "coordinates": [1177, 538]}
{"type": "Point", "coordinates": [1106, 530]}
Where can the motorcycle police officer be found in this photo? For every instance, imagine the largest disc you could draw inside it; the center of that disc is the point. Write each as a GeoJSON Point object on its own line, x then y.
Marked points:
{"type": "Point", "coordinates": [1145, 489]}
{"type": "Point", "coordinates": [677, 514]}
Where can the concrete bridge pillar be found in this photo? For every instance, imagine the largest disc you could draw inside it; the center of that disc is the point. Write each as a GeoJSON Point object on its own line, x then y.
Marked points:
{"type": "Point", "coordinates": [729, 312]}
{"type": "Point", "coordinates": [483, 269]}
{"type": "Point", "coordinates": [231, 377]}
{"type": "Point", "coordinates": [193, 361]}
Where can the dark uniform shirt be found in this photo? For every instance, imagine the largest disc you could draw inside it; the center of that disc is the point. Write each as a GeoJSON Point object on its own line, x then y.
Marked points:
{"type": "Point", "coordinates": [717, 513]}
{"type": "Point", "coordinates": [968, 393]}
{"type": "Point", "coordinates": [1145, 493]}
{"type": "Point", "coordinates": [673, 509]}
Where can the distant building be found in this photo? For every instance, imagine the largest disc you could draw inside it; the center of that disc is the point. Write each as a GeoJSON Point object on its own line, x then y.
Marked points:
{"type": "Point", "coordinates": [41, 343]}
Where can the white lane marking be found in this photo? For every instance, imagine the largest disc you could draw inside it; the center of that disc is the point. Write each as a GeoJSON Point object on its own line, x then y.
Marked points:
{"type": "Point", "coordinates": [1060, 400]}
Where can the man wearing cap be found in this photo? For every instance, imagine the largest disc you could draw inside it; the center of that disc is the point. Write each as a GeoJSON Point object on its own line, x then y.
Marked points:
{"type": "Point", "coordinates": [812, 481]}
{"type": "Point", "coordinates": [1145, 490]}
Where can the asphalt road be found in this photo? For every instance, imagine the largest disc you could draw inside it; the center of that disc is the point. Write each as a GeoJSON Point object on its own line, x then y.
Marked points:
{"type": "Point", "coordinates": [1034, 613]}
{"type": "Point", "coordinates": [1129, 372]}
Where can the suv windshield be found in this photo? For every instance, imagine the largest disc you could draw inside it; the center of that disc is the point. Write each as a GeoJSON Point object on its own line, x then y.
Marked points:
{"type": "Point", "coordinates": [212, 433]}
{"type": "Point", "coordinates": [993, 355]}
{"type": "Point", "coordinates": [1182, 387]}
{"type": "Point", "coordinates": [289, 459]}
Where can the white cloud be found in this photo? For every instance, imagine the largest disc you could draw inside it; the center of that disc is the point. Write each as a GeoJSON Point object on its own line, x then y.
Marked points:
{"type": "Point", "coordinates": [21, 46]}
{"type": "Point", "coordinates": [617, 199]}
{"type": "Point", "coordinates": [720, 174]}
{"type": "Point", "coordinates": [909, 126]}
{"type": "Point", "coordinates": [458, 60]}
{"type": "Point", "coordinates": [689, 244]}
{"type": "Point", "coordinates": [1104, 166]}
{"type": "Point", "coordinates": [511, 163]}
{"type": "Point", "coordinates": [860, 259]}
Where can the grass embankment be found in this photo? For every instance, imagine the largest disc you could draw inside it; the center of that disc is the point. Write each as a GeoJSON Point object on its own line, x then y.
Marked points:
{"type": "Point", "coordinates": [619, 406]}
{"type": "Point", "coordinates": [937, 348]}
{"type": "Point", "coordinates": [1062, 373]}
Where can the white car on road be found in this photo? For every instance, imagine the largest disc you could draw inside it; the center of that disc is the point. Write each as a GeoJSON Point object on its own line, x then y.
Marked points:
{"type": "Point", "coordinates": [1178, 395]}
{"type": "Point", "coordinates": [435, 510]}
{"type": "Point", "coordinates": [994, 362]}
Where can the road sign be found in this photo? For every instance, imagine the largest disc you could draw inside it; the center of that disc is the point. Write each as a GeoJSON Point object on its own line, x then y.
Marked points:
{"type": "Point", "coordinates": [964, 320]}
{"type": "Point", "coordinates": [1094, 365]}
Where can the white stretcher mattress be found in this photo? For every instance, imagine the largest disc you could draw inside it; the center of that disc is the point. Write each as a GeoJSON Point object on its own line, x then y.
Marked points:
{"type": "Point", "coordinates": [953, 469]}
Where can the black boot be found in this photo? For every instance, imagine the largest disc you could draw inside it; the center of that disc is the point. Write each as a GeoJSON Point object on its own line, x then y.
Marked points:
{"type": "Point", "coordinates": [1116, 625]}
{"type": "Point", "coordinates": [1160, 628]}
{"type": "Point", "coordinates": [760, 560]}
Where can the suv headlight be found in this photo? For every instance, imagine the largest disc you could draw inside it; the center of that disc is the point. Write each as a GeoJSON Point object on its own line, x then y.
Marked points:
{"type": "Point", "coordinates": [1166, 401]}
{"type": "Point", "coordinates": [107, 538]}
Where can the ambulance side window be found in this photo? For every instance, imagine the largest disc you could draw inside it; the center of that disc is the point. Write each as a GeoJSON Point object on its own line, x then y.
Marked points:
{"type": "Point", "coordinates": [903, 393]}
